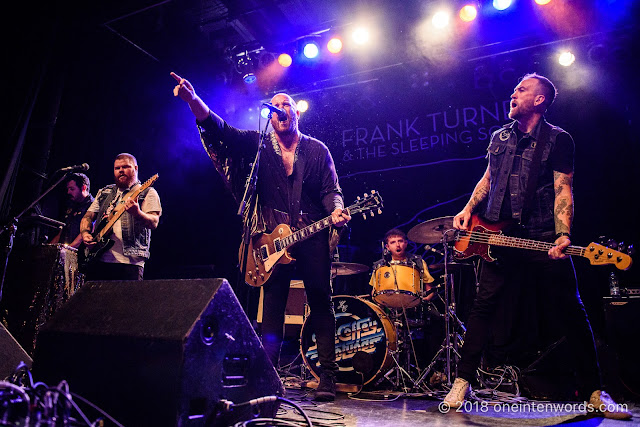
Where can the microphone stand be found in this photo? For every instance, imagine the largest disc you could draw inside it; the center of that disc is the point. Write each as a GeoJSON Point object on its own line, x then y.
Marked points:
{"type": "Point", "coordinates": [12, 227]}
{"type": "Point", "coordinates": [249, 197]}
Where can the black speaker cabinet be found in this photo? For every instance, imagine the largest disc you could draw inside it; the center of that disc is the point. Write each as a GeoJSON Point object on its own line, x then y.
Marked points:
{"type": "Point", "coordinates": [11, 353]}
{"type": "Point", "coordinates": [621, 370]}
{"type": "Point", "coordinates": [158, 352]}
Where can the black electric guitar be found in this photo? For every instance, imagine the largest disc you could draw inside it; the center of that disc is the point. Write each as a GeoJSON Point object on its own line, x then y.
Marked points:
{"type": "Point", "coordinates": [482, 235]}
{"type": "Point", "coordinates": [103, 243]}
{"type": "Point", "coordinates": [266, 251]}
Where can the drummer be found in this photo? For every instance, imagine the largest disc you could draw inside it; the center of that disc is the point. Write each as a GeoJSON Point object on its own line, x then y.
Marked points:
{"type": "Point", "coordinates": [395, 244]}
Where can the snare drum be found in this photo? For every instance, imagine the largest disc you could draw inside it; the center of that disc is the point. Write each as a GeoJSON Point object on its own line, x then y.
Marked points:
{"type": "Point", "coordinates": [363, 331]}
{"type": "Point", "coordinates": [397, 285]}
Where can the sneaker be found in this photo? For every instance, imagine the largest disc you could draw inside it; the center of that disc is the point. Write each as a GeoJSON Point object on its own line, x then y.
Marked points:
{"type": "Point", "coordinates": [607, 407]}
{"type": "Point", "coordinates": [458, 393]}
{"type": "Point", "coordinates": [326, 391]}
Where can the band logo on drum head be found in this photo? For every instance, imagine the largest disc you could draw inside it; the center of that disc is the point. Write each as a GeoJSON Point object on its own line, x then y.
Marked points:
{"type": "Point", "coordinates": [361, 327]}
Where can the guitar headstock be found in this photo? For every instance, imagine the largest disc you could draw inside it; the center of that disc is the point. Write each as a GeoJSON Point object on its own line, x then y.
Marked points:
{"type": "Point", "coordinates": [599, 255]}
{"type": "Point", "coordinates": [150, 181]}
{"type": "Point", "coordinates": [370, 202]}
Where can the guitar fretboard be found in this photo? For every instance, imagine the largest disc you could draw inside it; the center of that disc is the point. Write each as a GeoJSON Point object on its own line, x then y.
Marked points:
{"type": "Point", "coordinates": [306, 232]}
{"type": "Point", "coordinates": [517, 242]}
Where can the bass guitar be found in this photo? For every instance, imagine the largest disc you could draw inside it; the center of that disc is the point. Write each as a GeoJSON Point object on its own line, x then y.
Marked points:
{"type": "Point", "coordinates": [267, 251]}
{"type": "Point", "coordinates": [482, 235]}
{"type": "Point", "coordinates": [103, 243]}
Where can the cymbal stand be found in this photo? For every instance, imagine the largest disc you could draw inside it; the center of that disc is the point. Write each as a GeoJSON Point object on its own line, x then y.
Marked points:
{"type": "Point", "coordinates": [452, 340]}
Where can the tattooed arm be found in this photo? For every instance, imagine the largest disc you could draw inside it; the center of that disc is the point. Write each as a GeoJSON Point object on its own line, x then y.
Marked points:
{"type": "Point", "coordinates": [562, 212]}
{"type": "Point", "coordinates": [461, 220]}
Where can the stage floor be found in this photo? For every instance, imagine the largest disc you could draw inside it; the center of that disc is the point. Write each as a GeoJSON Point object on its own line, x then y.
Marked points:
{"type": "Point", "coordinates": [375, 409]}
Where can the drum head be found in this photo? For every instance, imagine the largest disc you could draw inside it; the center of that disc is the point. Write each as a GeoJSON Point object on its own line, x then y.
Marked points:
{"type": "Point", "coordinates": [364, 339]}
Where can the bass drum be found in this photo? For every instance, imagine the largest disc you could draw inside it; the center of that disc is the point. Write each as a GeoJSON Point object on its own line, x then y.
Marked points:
{"type": "Point", "coordinates": [365, 338]}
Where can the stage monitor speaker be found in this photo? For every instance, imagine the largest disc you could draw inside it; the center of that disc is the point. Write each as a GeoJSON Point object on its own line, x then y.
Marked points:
{"type": "Point", "coordinates": [158, 352]}
{"type": "Point", "coordinates": [11, 354]}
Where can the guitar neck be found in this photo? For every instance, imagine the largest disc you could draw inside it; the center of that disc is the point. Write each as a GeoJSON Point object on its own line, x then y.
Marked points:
{"type": "Point", "coordinates": [517, 242]}
{"type": "Point", "coordinates": [306, 232]}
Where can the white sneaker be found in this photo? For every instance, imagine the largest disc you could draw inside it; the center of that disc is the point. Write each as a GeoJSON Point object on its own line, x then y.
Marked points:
{"type": "Point", "coordinates": [458, 393]}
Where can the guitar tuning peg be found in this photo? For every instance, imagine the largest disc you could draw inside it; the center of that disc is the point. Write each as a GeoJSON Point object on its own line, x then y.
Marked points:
{"type": "Point", "coordinates": [366, 195]}
{"type": "Point", "coordinates": [371, 212]}
{"type": "Point", "coordinates": [364, 216]}
{"type": "Point", "coordinates": [622, 246]}
{"type": "Point", "coordinates": [379, 211]}
{"type": "Point", "coordinates": [358, 198]}
{"type": "Point", "coordinates": [373, 192]}
{"type": "Point", "coordinates": [631, 250]}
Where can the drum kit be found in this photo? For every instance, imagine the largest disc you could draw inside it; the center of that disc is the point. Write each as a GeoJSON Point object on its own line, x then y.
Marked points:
{"type": "Point", "coordinates": [374, 336]}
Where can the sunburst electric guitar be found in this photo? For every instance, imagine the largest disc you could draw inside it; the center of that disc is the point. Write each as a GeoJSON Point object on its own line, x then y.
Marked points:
{"type": "Point", "coordinates": [103, 243]}
{"type": "Point", "coordinates": [267, 251]}
{"type": "Point", "coordinates": [482, 235]}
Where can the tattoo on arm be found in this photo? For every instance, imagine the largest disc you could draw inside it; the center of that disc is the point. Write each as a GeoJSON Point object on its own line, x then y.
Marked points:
{"type": "Point", "coordinates": [479, 193]}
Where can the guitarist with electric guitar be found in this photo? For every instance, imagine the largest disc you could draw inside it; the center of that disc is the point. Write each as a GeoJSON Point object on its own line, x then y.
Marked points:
{"type": "Point", "coordinates": [528, 183]}
{"type": "Point", "coordinates": [291, 205]}
{"type": "Point", "coordinates": [117, 245]}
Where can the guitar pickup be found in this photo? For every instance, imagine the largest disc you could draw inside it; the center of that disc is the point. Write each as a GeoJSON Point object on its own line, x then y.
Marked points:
{"type": "Point", "coordinates": [264, 252]}
{"type": "Point", "coordinates": [277, 243]}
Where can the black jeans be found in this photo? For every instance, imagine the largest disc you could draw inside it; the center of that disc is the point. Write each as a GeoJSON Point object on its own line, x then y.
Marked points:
{"type": "Point", "coordinates": [113, 271]}
{"type": "Point", "coordinates": [313, 266]}
{"type": "Point", "coordinates": [558, 306]}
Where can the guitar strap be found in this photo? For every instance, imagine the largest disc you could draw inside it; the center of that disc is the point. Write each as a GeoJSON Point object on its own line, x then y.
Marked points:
{"type": "Point", "coordinates": [534, 171]}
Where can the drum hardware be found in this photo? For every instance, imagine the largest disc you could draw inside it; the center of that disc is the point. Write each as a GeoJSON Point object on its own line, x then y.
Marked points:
{"type": "Point", "coordinates": [453, 340]}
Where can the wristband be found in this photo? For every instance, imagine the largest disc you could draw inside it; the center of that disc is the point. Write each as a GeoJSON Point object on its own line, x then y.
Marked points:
{"type": "Point", "coordinates": [564, 233]}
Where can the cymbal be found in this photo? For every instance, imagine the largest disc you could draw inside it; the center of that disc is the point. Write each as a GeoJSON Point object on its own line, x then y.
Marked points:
{"type": "Point", "coordinates": [450, 266]}
{"type": "Point", "coordinates": [347, 268]}
{"type": "Point", "coordinates": [431, 231]}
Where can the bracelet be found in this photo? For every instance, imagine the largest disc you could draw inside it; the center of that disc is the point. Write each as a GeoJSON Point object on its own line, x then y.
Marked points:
{"type": "Point", "coordinates": [564, 233]}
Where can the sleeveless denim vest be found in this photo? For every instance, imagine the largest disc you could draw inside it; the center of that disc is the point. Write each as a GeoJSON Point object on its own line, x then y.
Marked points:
{"type": "Point", "coordinates": [501, 154]}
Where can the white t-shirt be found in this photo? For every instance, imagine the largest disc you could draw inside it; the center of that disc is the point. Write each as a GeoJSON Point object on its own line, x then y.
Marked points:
{"type": "Point", "coordinates": [115, 254]}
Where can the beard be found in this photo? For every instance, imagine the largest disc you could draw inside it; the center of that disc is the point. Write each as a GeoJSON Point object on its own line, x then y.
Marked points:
{"type": "Point", "coordinates": [125, 181]}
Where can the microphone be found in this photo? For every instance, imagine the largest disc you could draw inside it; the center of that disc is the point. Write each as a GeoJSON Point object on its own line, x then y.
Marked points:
{"type": "Point", "coordinates": [282, 115]}
{"type": "Point", "coordinates": [429, 248]}
{"type": "Point", "coordinates": [75, 168]}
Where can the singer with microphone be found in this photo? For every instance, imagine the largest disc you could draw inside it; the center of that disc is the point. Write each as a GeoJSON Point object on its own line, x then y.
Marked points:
{"type": "Point", "coordinates": [79, 200]}
{"type": "Point", "coordinates": [297, 184]}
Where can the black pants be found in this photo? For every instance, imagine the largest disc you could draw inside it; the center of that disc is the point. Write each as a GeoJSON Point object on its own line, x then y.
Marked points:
{"type": "Point", "coordinates": [113, 271]}
{"type": "Point", "coordinates": [558, 306]}
{"type": "Point", "coordinates": [313, 266]}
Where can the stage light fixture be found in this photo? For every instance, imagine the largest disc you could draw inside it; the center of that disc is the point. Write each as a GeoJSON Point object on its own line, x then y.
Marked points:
{"type": "Point", "coordinates": [501, 4]}
{"type": "Point", "coordinates": [441, 19]}
{"type": "Point", "coordinates": [361, 36]}
{"type": "Point", "coordinates": [264, 113]}
{"type": "Point", "coordinates": [566, 58]}
{"type": "Point", "coordinates": [334, 45]}
{"type": "Point", "coordinates": [468, 13]}
{"type": "Point", "coordinates": [543, 2]}
{"type": "Point", "coordinates": [285, 60]}
{"type": "Point", "coordinates": [246, 66]}
{"type": "Point", "coordinates": [311, 50]}
{"type": "Point", "coordinates": [302, 105]}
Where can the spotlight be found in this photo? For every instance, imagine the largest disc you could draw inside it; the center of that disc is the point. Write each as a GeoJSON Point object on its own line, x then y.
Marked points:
{"type": "Point", "coordinates": [310, 50]}
{"type": "Point", "coordinates": [543, 2]}
{"type": "Point", "coordinates": [245, 66]}
{"type": "Point", "coordinates": [566, 58]}
{"type": "Point", "coordinates": [361, 36]}
{"type": "Point", "coordinates": [440, 19]}
{"type": "Point", "coordinates": [334, 45]}
{"type": "Point", "coordinates": [264, 113]}
{"type": "Point", "coordinates": [302, 106]}
{"type": "Point", "coordinates": [265, 59]}
{"type": "Point", "coordinates": [468, 13]}
{"type": "Point", "coordinates": [285, 60]}
{"type": "Point", "coordinates": [501, 4]}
